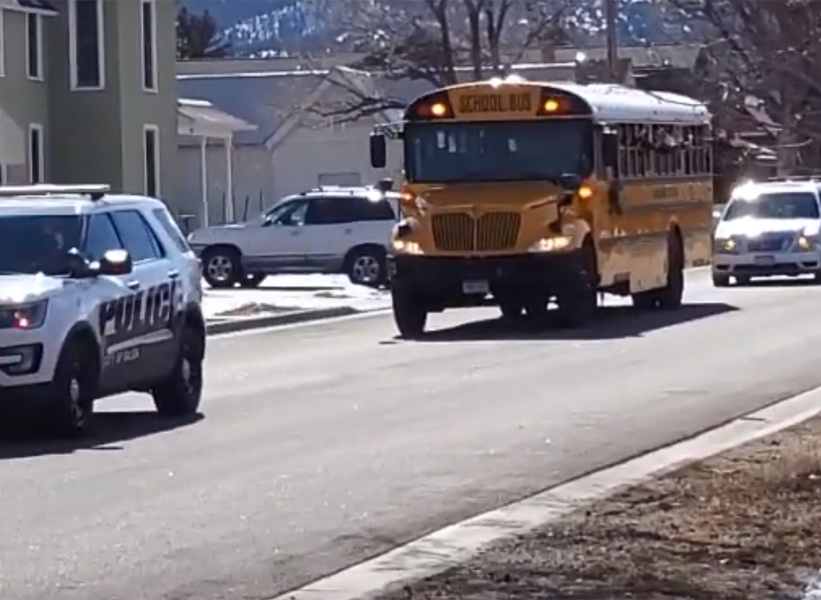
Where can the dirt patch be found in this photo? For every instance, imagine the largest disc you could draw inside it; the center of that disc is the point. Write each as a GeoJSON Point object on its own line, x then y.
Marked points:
{"type": "Point", "coordinates": [254, 308]}
{"type": "Point", "coordinates": [744, 525]}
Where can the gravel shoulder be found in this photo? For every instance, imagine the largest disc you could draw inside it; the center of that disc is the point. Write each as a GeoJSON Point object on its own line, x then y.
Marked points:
{"type": "Point", "coordinates": [743, 525]}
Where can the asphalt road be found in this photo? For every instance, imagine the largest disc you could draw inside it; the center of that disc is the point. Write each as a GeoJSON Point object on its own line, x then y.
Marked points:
{"type": "Point", "coordinates": [324, 445]}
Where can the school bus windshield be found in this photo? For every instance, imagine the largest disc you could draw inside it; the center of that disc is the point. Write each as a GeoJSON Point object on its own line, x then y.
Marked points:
{"type": "Point", "coordinates": [498, 151]}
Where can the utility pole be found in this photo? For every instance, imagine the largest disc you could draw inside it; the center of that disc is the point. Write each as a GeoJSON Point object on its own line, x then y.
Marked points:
{"type": "Point", "coordinates": [611, 11]}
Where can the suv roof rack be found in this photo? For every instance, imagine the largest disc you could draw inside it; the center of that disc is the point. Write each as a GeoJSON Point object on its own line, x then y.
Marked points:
{"type": "Point", "coordinates": [95, 191]}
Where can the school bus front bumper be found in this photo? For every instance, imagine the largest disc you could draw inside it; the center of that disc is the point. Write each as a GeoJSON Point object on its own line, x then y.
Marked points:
{"type": "Point", "coordinates": [544, 273]}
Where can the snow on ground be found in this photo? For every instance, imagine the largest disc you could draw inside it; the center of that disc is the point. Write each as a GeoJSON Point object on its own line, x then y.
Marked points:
{"type": "Point", "coordinates": [813, 591]}
{"type": "Point", "coordinates": [295, 292]}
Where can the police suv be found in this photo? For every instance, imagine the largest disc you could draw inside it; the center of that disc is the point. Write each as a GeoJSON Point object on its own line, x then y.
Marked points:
{"type": "Point", "coordinates": [99, 294]}
{"type": "Point", "coordinates": [767, 229]}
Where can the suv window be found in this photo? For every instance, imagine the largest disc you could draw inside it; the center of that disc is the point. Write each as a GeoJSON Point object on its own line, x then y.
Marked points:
{"type": "Point", "coordinates": [137, 236]}
{"type": "Point", "coordinates": [774, 205]}
{"type": "Point", "coordinates": [364, 209]}
{"type": "Point", "coordinates": [171, 228]}
{"type": "Point", "coordinates": [348, 209]}
{"type": "Point", "coordinates": [287, 213]}
{"type": "Point", "coordinates": [101, 236]}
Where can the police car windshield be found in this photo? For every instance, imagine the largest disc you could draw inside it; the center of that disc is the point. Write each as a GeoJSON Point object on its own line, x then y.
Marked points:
{"type": "Point", "coordinates": [32, 244]}
{"type": "Point", "coordinates": [774, 205]}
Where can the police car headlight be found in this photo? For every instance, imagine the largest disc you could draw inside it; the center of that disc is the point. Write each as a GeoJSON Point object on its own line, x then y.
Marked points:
{"type": "Point", "coordinates": [25, 316]}
{"type": "Point", "coordinates": [725, 245]}
{"type": "Point", "coordinates": [806, 243]}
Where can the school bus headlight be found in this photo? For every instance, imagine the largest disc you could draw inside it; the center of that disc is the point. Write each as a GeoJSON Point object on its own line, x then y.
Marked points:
{"type": "Point", "coordinates": [24, 316]}
{"type": "Point", "coordinates": [585, 192]}
{"type": "Point", "coordinates": [552, 244]}
{"type": "Point", "coordinates": [401, 246]}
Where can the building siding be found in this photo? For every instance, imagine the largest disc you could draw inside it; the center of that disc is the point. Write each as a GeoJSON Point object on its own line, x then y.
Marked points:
{"type": "Point", "coordinates": [24, 101]}
{"type": "Point", "coordinates": [97, 135]}
{"type": "Point", "coordinates": [86, 129]}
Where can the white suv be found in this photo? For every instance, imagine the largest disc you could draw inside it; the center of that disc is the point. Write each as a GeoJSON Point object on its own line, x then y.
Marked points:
{"type": "Point", "coordinates": [324, 230]}
{"type": "Point", "coordinates": [768, 229]}
{"type": "Point", "coordinates": [99, 294]}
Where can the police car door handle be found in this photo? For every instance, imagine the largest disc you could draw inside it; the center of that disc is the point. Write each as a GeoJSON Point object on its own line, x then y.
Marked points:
{"type": "Point", "coordinates": [133, 284]}
{"type": "Point", "coordinates": [173, 274]}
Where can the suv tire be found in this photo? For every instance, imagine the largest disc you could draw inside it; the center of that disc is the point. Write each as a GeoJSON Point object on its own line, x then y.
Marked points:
{"type": "Point", "coordinates": [179, 394]}
{"type": "Point", "coordinates": [222, 266]}
{"type": "Point", "coordinates": [367, 266]}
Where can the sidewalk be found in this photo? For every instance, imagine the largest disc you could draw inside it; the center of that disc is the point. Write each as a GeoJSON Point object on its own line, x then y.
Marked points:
{"type": "Point", "coordinates": [745, 525]}
{"type": "Point", "coordinates": [285, 293]}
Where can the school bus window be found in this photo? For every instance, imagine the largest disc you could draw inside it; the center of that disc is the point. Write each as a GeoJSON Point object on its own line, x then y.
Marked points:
{"type": "Point", "coordinates": [499, 151]}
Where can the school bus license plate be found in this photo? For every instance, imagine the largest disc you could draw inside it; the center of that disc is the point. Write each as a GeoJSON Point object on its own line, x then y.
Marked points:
{"type": "Point", "coordinates": [476, 286]}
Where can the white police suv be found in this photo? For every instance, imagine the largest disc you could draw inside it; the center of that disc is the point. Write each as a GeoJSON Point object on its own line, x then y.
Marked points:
{"type": "Point", "coordinates": [768, 229]}
{"type": "Point", "coordinates": [99, 294]}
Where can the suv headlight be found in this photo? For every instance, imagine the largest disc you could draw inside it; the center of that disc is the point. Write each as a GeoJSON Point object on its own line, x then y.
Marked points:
{"type": "Point", "coordinates": [24, 316]}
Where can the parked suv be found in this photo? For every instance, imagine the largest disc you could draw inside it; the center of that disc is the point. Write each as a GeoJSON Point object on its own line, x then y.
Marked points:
{"type": "Point", "coordinates": [323, 230]}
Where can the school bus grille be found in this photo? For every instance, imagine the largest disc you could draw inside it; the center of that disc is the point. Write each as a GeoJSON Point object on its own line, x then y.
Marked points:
{"type": "Point", "coordinates": [459, 232]}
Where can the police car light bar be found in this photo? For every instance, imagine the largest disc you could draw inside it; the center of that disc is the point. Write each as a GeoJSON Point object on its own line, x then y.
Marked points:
{"type": "Point", "coordinates": [96, 191]}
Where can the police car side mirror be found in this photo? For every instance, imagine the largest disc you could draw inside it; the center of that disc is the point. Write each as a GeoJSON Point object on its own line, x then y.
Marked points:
{"type": "Point", "coordinates": [115, 262]}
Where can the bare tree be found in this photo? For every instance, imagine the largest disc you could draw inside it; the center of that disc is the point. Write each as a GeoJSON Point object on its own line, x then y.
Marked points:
{"type": "Point", "coordinates": [767, 52]}
{"type": "Point", "coordinates": [438, 42]}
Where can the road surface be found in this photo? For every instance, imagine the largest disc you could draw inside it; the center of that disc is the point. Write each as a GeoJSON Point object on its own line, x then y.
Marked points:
{"type": "Point", "coordinates": [324, 445]}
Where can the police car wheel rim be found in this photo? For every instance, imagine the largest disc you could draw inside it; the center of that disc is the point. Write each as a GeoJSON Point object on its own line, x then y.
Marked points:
{"type": "Point", "coordinates": [366, 269]}
{"type": "Point", "coordinates": [75, 400]}
{"type": "Point", "coordinates": [220, 268]}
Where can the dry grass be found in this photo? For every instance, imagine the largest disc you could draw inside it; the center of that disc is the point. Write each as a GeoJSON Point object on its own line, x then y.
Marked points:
{"type": "Point", "coordinates": [745, 525]}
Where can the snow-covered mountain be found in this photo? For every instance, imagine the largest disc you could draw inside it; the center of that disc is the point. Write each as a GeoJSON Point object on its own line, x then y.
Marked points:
{"type": "Point", "coordinates": [265, 27]}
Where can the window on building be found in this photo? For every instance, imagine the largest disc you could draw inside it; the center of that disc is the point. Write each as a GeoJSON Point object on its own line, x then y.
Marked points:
{"type": "Point", "coordinates": [36, 154]}
{"type": "Point", "coordinates": [2, 42]}
{"type": "Point", "coordinates": [34, 46]}
{"type": "Point", "coordinates": [86, 47]}
{"type": "Point", "coordinates": [151, 148]}
{"type": "Point", "coordinates": [148, 20]}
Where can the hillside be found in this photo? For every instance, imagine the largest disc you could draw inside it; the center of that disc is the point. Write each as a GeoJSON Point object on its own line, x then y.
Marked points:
{"type": "Point", "coordinates": [260, 27]}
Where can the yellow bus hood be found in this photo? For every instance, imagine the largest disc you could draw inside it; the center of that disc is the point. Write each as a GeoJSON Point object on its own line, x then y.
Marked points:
{"type": "Point", "coordinates": [492, 196]}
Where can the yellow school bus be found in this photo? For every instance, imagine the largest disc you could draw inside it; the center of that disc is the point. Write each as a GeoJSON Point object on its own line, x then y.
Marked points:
{"type": "Point", "coordinates": [520, 194]}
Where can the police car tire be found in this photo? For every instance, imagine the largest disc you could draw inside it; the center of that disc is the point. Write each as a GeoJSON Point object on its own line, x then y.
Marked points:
{"type": "Point", "coordinates": [179, 394]}
{"type": "Point", "coordinates": [70, 409]}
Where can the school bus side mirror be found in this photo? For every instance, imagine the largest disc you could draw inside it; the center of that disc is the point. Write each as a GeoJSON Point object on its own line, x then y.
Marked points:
{"type": "Point", "coordinates": [610, 150]}
{"type": "Point", "coordinates": [379, 151]}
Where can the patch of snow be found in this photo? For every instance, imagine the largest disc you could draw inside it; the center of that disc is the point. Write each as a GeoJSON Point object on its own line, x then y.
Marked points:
{"type": "Point", "coordinates": [813, 590]}
{"type": "Point", "coordinates": [300, 292]}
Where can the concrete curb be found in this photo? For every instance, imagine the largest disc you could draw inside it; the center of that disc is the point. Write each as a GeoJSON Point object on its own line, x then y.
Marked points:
{"type": "Point", "coordinates": [458, 543]}
{"type": "Point", "coordinates": [287, 318]}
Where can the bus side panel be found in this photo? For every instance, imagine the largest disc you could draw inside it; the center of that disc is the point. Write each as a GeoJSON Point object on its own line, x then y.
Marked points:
{"type": "Point", "coordinates": [633, 244]}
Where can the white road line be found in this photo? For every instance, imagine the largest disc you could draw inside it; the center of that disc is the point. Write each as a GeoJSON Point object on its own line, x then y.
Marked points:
{"type": "Point", "coordinates": [457, 543]}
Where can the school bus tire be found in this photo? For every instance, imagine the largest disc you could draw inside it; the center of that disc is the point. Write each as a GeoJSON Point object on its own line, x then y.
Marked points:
{"type": "Point", "coordinates": [409, 314]}
{"type": "Point", "coordinates": [578, 303]}
{"type": "Point", "coordinates": [670, 296]}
